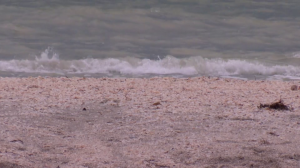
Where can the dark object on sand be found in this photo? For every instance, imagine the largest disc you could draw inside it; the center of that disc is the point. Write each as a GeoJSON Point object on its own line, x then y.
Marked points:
{"type": "Point", "coordinates": [84, 109]}
{"type": "Point", "coordinates": [156, 104]}
{"type": "Point", "coordinates": [294, 87]}
{"type": "Point", "coordinates": [276, 105]}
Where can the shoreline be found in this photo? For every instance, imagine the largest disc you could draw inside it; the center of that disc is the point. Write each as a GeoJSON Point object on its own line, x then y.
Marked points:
{"type": "Point", "coordinates": [153, 122]}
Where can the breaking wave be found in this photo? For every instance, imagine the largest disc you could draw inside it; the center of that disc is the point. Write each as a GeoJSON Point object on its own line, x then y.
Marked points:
{"type": "Point", "coordinates": [192, 66]}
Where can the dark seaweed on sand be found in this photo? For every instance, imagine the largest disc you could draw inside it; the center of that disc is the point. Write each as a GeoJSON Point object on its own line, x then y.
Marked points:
{"type": "Point", "coordinates": [276, 105]}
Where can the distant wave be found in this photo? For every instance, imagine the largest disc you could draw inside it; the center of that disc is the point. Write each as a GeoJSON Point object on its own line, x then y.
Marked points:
{"type": "Point", "coordinates": [296, 54]}
{"type": "Point", "coordinates": [51, 63]}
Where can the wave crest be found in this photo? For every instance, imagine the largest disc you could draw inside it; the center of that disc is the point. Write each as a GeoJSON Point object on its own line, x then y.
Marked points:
{"type": "Point", "coordinates": [49, 62]}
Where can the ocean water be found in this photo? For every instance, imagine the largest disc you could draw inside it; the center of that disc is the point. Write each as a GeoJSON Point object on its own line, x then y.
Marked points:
{"type": "Point", "coordinates": [247, 39]}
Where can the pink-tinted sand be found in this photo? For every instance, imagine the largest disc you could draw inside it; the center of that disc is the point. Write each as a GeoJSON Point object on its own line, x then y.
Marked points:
{"type": "Point", "coordinates": [156, 122]}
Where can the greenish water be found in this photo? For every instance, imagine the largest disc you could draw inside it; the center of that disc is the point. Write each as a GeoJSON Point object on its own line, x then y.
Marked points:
{"type": "Point", "coordinates": [245, 39]}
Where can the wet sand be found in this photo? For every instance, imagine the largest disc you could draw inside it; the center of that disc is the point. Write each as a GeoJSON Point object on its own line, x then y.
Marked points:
{"type": "Point", "coordinates": [157, 122]}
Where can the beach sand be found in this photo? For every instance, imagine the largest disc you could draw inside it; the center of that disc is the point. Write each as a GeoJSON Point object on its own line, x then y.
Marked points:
{"type": "Point", "coordinates": [156, 122]}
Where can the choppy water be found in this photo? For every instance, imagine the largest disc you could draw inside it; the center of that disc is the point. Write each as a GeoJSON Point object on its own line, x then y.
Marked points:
{"type": "Point", "coordinates": [228, 38]}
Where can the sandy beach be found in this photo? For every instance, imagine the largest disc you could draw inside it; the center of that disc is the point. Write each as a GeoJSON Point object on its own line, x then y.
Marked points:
{"type": "Point", "coordinates": [156, 122]}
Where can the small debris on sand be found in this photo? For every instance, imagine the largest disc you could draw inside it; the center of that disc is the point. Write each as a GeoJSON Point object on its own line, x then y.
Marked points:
{"type": "Point", "coordinates": [276, 105]}
{"type": "Point", "coordinates": [156, 104]}
{"type": "Point", "coordinates": [294, 87]}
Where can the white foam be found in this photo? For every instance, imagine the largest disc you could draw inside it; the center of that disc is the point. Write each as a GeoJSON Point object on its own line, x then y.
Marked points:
{"type": "Point", "coordinates": [49, 62]}
{"type": "Point", "coordinates": [296, 54]}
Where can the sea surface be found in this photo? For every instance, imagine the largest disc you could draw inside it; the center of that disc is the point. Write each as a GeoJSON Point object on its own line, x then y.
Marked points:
{"type": "Point", "coordinates": [248, 39]}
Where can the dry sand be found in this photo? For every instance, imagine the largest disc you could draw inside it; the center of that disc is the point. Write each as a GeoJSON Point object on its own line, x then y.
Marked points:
{"type": "Point", "coordinates": [157, 122]}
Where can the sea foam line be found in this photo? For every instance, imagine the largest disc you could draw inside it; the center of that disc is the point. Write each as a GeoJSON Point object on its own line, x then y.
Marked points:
{"type": "Point", "coordinates": [49, 62]}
